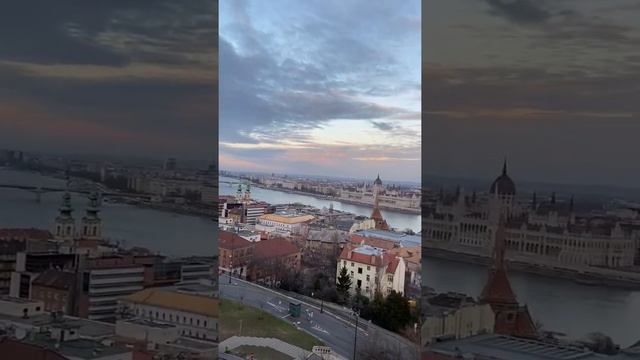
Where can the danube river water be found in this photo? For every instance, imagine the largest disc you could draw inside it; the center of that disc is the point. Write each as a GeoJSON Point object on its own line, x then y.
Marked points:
{"type": "Point", "coordinates": [167, 233]}
{"type": "Point", "coordinates": [229, 186]}
{"type": "Point", "coordinates": [559, 305]}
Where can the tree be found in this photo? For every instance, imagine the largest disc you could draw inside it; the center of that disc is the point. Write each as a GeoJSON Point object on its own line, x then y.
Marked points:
{"type": "Point", "coordinates": [343, 284]}
{"type": "Point", "coordinates": [359, 301]}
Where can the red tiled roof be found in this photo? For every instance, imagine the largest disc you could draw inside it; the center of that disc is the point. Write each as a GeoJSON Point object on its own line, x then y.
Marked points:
{"type": "Point", "coordinates": [521, 326]}
{"type": "Point", "coordinates": [22, 234]}
{"type": "Point", "coordinates": [378, 261]}
{"type": "Point", "coordinates": [232, 241]}
{"type": "Point", "coordinates": [498, 289]}
{"type": "Point", "coordinates": [13, 349]}
{"type": "Point", "coordinates": [393, 265]}
{"type": "Point", "coordinates": [373, 241]}
{"type": "Point", "coordinates": [62, 280]}
{"type": "Point", "coordinates": [273, 248]}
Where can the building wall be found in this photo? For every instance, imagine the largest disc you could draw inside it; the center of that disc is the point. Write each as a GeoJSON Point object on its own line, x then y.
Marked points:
{"type": "Point", "coordinates": [104, 287]}
{"type": "Point", "coordinates": [53, 299]}
{"type": "Point", "coordinates": [459, 323]}
{"type": "Point", "coordinates": [189, 324]}
{"type": "Point", "coordinates": [453, 231]}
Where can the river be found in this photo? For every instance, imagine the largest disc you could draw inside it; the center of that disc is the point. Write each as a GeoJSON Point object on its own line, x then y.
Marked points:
{"type": "Point", "coordinates": [164, 232]}
{"type": "Point", "coordinates": [559, 305]}
{"type": "Point", "coordinates": [229, 186]}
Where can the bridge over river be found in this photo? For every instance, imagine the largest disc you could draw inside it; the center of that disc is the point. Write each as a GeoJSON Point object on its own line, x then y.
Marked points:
{"type": "Point", "coordinates": [39, 190]}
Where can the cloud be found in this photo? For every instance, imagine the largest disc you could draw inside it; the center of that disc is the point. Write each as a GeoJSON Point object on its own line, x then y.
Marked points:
{"type": "Point", "coordinates": [520, 11]}
{"type": "Point", "coordinates": [102, 32]}
{"type": "Point", "coordinates": [140, 74]}
{"type": "Point", "coordinates": [283, 83]}
{"type": "Point", "coordinates": [382, 126]}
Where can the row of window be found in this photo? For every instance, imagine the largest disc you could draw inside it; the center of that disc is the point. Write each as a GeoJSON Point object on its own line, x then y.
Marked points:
{"type": "Point", "coordinates": [171, 317]}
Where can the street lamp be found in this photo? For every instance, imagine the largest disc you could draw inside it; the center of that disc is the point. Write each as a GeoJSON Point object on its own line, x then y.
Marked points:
{"type": "Point", "coordinates": [356, 313]}
{"type": "Point", "coordinates": [230, 264]}
{"type": "Point", "coordinates": [321, 303]}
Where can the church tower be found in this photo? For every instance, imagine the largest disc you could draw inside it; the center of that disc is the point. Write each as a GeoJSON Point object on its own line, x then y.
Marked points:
{"type": "Point", "coordinates": [65, 227]}
{"type": "Point", "coordinates": [376, 215]}
{"type": "Point", "coordinates": [510, 318]}
{"type": "Point", "coordinates": [91, 222]}
{"type": "Point", "coordinates": [247, 193]}
{"type": "Point", "coordinates": [239, 193]}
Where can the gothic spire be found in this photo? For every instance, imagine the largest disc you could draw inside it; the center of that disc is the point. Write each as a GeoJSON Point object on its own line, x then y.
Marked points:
{"type": "Point", "coordinates": [571, 204]}
{"type": "Point", "coordinates": [504, 166]}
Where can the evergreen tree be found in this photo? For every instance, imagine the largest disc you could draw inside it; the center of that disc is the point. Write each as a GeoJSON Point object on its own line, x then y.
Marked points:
{"type": "Point", "coordinates": [344, 284]}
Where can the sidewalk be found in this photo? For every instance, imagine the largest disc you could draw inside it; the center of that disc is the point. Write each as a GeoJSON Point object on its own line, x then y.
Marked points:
{"type": "Point", "coordinates": [276, 344]}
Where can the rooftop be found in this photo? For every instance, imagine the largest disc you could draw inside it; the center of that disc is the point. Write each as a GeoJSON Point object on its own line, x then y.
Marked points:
{"type": "Point", "coordinates": [500, 347]}
{"type": "Point", "coordinates": [230, 240]}
{"type": "Point", "coordinates": [16, 300]}
{"type": "Point", "coordinates": [172, 299]}
{"type": "Point", "coordinates": [287, 218]}
{"type": "Point", "coordinates": [86, 328]}
{"type": "Point", "coordinates": [273, 248]}
{"type": "Point", "coordinates": [56, 279]}
{"type": "Point", "coordinates": [402, 238]}
{"type": "Point", "coordinates": [78, 348]}
{"type": "Point", "coordinates": [368, 250]}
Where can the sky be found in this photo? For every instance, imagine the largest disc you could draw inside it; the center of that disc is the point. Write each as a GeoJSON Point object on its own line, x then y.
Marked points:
{"type": "Point", "coordinates": [553, 86]}
{"type": "Point", "coordinates": [321, 87]}
{"type": "Point", "coordinates": [109, 77]}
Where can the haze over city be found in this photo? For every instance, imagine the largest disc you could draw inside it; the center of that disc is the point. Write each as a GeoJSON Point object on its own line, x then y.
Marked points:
{"type": "Point", "coordinates": [306, 87]}
{"type": "Point", "coordinates": [81, 77]}
{"type": "Point", "coordinates": [551, 85]}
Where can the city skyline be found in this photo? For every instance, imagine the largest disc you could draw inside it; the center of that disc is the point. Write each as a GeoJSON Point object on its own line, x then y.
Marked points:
{"type": "Point", "coordinates": [82, 77]}
{"type": "Point", "coordinates": [306, 87]}
{"type": "Point", "coordinates": [549, 85]}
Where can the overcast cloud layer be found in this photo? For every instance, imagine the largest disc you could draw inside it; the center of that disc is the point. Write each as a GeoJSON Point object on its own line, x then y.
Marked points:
{"type": "Point", "coordinates": [321, 87]}
{"type": "Point", "coordinates": [552, 85]}
{"type": "Point", "coordinates": [109, 77]}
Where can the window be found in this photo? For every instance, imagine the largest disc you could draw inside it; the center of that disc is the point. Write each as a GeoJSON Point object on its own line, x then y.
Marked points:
{"type": "Point", "coordinates": [359, 270]}
{"type": "Point", "coordinates": [359, 284]}
{"type": "Point", "coordinates": [352, 274]}
{"type": "Point", "coordinates": [368, 278]}
{"type": "Point", "coordinates": [390, 277]}
{"type": "Point", "coordinates": [368, 267]}
{"type": "Point", "coordinates": [352, 265]}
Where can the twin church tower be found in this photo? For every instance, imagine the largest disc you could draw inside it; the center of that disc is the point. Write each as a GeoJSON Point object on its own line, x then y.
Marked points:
{"type": "Point", "coordinates": [90, 225]}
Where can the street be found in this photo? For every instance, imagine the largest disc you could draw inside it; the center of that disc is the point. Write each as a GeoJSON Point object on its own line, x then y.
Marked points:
{"type": "Point", "coordinates": [332, 330]}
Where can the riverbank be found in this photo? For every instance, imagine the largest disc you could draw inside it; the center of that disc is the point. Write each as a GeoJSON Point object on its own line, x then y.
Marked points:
{"type": "Point", "coordinates": [172, 208]}
{"type": "Point", "coordinates": [334, 198]}
{"type": "Point", "coordinates": [616, 279]}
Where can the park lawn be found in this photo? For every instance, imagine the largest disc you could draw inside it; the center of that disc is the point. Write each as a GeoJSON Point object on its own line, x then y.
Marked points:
{"type": "Point", "coordinates": [235, 317]}
{"type": "Point", "coordinates": [260, 353]}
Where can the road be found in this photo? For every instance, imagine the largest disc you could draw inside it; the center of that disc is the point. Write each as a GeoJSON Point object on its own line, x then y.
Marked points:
{"type": "Point", "coordinates": [330, 329]}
